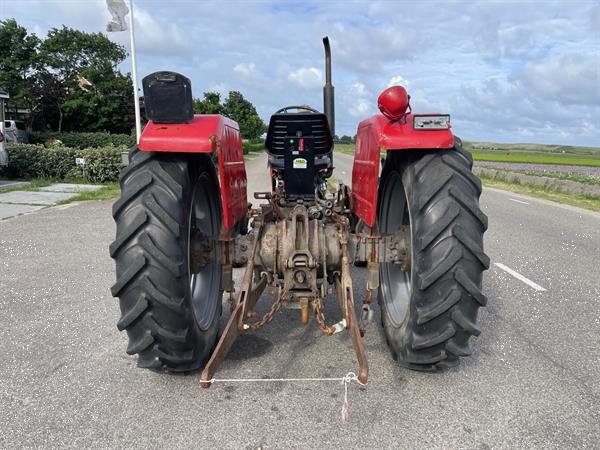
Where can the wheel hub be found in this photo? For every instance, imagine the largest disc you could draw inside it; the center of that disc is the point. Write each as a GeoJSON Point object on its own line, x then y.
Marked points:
{"type": "Point", "coordinates": [204, 267]}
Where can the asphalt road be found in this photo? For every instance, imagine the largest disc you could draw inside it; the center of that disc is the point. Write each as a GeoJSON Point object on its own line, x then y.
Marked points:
{"type": "Point", "coordinates": [533, 381]}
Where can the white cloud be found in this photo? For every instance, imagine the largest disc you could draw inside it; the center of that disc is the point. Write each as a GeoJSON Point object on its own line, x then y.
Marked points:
{"type": "Point", "coordinates": [248, 73]}
{"type": "Point", "coordinates": [368, 49]}
{"type": "Point", "coordinates": [504, 71]}
{"type": "Point", "coordinates": [567, 78]}
{"type": "Point", "coordinates": [362, 102]}
{"type": "Point", "coordinates": [307, 77]}
{"type": "Point", "coordinates": [245, 69]}
{"type": "Point", "coordinates": [155, 36]}
{"type": "Point", "coordinates": [398, 81]}
{"type": "Point", "coordinates": [421, 102]}
{"type": "Point", "coordinates": [514, 108]}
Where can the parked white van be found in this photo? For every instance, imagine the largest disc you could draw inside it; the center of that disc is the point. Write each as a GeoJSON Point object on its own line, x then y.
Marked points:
{"type": "Point", "coordinates": [3, 153]}
{"type": "Point", "coordinates": [15, 131]}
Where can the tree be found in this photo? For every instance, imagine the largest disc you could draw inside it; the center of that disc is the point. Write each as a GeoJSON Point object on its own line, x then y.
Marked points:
{"type": "Point", "coordinates": [235, 107]}
{"type": "Point", "coordinates": [70, 52]}
{"type": "Point", "coordinates": [18, 58]}
{"type": "Point", "coordinates": [210, 105]}
{"type": "Point", "coordinates": [95, 95]}
{"type": "Point", "coordinates": [244, 113]}
{"type": "Point", "coordinates": [70, 82]}
{"type": "Point", "coordinates": [106, 105]}
{"type": "Point", "coordinates": [49, 94]}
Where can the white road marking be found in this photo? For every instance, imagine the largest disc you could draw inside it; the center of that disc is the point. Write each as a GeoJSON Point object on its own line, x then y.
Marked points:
{"type": "Point", "coordinates": [520, 277]}
{"type": "Point", "coordinates": [518, 201]}
{"type": "Point", "coordinates": [343, 172]}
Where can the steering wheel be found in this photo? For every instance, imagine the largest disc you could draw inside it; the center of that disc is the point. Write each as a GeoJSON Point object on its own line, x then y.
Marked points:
{"type": "Point", "coordinates": [297, 108]}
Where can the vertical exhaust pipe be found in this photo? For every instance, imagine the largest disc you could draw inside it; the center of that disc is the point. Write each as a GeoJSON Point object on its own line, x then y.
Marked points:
{"type": "Point", "coordinates": [328, 89]}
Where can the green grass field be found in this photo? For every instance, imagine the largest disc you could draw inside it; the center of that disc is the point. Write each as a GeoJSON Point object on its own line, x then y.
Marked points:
{"type": "Point", "coordinates": [532, 148]}
{"type": "Point", "coordinates": [567, 155]}
{"type": "Point", "coordinates": [538, 158]}
{"type": "Point", "coordinates": [522, 153]}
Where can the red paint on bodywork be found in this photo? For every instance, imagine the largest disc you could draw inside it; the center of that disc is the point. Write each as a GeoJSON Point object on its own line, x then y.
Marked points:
{"type": "Point", "coordinates": [207, 134]}
{"type": "Point", "coordinates": [380, 133]}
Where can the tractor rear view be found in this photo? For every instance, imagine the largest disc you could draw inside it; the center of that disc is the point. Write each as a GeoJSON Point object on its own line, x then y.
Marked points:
{"type": "Point", "coordinates": [412, 217]}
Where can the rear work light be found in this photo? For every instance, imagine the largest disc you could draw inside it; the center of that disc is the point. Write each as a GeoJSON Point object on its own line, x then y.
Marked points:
{"type": "Point", "coordinates": [431, 122]}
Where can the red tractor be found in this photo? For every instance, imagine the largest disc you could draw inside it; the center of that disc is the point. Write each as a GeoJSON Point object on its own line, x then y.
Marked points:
{"type": "Point", "coordinates": [183, 221]}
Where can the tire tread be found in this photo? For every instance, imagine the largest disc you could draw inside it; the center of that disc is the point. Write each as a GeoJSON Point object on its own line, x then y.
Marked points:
{"type": "Point", "coordinates": [152, 267]}
{"type": "Point", "coordinates": [448, 259]}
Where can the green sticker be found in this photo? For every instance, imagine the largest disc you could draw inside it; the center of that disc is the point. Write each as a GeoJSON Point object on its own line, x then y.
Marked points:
{"type": "Point", "coordinates": [299, 163]}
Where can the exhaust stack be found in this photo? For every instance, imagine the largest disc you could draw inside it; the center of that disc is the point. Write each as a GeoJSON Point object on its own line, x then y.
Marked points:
{"type": "Point", "coordinates": [328, 89]}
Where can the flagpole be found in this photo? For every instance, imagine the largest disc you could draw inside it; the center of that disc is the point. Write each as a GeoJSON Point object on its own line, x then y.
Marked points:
{"type": "Point", "coordinates": [136, 97]}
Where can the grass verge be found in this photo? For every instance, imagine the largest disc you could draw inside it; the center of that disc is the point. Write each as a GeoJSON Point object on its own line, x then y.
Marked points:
{"type": "Point", "coordinates": [582, 201]}
{"type": "Point", "coordinates": [37, 183]}
{"type": "Point", "coordinates": [347, 149]}
{"type": "Point", "coordinates": [106, 192]}
{"type": "Point", "coordinates": [34, 185]}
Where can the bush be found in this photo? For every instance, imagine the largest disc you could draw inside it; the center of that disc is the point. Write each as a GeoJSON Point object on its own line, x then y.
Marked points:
{"type": "Point", "coordinates": [36, 161]}
{"type": "Point", "coordinates": [250, 147]}
{"type": "Point", "coordinates": [83, 140]}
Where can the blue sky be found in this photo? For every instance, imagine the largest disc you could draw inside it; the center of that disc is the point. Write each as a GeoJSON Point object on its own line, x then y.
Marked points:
{"type": "Point", "coordinates": [507, 71]}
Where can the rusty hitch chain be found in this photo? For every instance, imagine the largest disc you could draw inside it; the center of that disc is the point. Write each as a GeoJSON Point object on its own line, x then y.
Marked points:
{"type": "Point", "coordinates": [320, 317]}
{"type": "Point", "coordinates": [268, 315]}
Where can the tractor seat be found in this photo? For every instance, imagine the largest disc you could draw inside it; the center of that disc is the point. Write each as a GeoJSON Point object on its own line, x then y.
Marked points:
{"type": "Point", "coordinates": [304, 123]}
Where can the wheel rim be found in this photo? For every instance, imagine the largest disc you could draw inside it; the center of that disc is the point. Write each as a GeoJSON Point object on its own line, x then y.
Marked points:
{"type": "Point", "coordinates": [204, 227]}
{"type": "Point", "coordinates": [396, 285]}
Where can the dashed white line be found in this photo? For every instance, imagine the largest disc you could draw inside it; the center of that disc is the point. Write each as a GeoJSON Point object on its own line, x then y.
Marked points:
{"type": "Point", "coordinates": [518, 201]}
{"type": "Point", "coordinates": [520, 277]}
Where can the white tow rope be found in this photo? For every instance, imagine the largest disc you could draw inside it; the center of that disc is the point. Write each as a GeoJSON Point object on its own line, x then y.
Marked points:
{"type": "Point", "coordinates": [346, 380]}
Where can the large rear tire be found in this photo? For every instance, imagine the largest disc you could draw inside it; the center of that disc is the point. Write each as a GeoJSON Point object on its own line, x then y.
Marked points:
{"type": "Point", "coordinates": [429, 311]}
{"type": "Point", "coordinates": [169, 211]}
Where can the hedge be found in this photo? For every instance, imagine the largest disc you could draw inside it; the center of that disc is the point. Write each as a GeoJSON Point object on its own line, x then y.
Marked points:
{"type": "Point", "coordinates": [58, 162]}
{"type": "Point", "coordinates": [253, 147]}
{"type": "Point", "coordinates": [36, 161]}
{"type": "Point", "coordinates": [98, 140]}
{"type": "Point", "coordinates": [83, 140]}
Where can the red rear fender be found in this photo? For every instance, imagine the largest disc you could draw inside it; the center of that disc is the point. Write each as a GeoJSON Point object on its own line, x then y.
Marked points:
{"type": "Point", "coordinates": [207, 134]}
{"type": "Point", "coordinates": [380, 133]}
